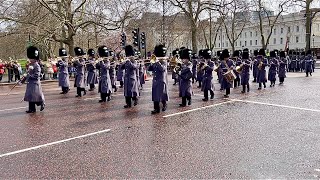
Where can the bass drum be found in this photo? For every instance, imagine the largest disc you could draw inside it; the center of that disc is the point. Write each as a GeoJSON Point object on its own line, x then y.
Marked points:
{"type": "Point", "coordinates": [230, 76]}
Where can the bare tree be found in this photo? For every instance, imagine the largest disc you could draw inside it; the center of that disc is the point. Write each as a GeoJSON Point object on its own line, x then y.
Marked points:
{"type": "Point", "coordinates": [234, 17]}
{"type": "Point", "coordinates": [267, 20]}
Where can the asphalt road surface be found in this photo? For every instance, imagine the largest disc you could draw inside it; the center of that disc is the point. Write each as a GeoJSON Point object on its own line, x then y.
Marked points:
{"type": "Point", "coordinates": [272, 133]}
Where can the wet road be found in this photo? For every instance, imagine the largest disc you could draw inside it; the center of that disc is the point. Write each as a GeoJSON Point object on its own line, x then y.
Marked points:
{"type": "Point", "coordinates": [272, 133]}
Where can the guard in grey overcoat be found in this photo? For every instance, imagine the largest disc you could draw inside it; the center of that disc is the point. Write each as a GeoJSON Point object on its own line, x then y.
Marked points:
{"type": "Point", "coordinates": [80, 65]}
{"type": "Point", "coordinates": [255, 64]}
{"type": "Point", "coordinates": [237, 61]}
{"type": "Point", "coordinates": [207, 80]}
{"type": "Point", "coordinates": [308, 63]}
{"type": "Point", "coordinates": [282, 67]}
{"type": "Point", "coordinates": [92, 77]}
{"type": "Point", "coordinates": [62, 64]}
{"type": "Point", "coordinates": [174, 75]}
{"type": "Point", "coordinates": [195, 62]}
{"type": "Point", "coordinates": [273, 69]}
{"type": "Point", "coordinates": [225, 65]}
{"type": "Point", "coordinates": [105, 85]}
{"type": "Point", "coordinates": [262, 73]}
{"type": "Point", "coordinates": [34, 94]}
{"type": "Point", "coordinates": [185, 85]}
{"type": "Point", "coordinates": [131, 86]}
{"type": "Point", "coordinates": [142, 74]}
{"type": "Point", "coordinates": [245, 72]}
{"type": "Point", "coordinates": [160, 80]}
{"type": "Point", "coordinates": [113, 71]}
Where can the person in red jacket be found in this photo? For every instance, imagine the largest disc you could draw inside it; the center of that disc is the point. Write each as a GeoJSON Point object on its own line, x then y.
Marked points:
{"type": "Point", "coordinates": [2, 66]}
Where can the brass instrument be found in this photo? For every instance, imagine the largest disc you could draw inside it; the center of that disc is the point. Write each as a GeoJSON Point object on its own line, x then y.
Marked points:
{"type": "Point", "coordinates": [216, 68]}
{"type": "Point", "coordinates": [153, 59]}
{"type": "Point", "coordinates": [239, 68]}
{"type": "Point", "coordinates": [260, 65]}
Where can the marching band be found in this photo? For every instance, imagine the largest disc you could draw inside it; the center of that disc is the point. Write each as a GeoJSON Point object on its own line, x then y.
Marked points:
{"type": "Point", "coordinates": [187, 69]}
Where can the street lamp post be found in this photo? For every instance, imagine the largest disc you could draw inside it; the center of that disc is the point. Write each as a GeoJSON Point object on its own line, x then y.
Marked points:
{"type": "Point", "coordinates": [313, 40]}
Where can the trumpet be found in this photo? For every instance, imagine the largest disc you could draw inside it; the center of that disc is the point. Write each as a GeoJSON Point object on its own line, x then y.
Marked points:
{"type": "Point", "coordinates": [239, 68]}
{"type": "Point", "coordinates": [260, 65]}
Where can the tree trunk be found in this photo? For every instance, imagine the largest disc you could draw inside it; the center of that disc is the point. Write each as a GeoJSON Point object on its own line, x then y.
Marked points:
{"type": "Point", "coordinates": [71, 46]}
{"type": "Point", "coordinates": [308, 25]}
{"type": "Point", "coordinates": [194, 37]}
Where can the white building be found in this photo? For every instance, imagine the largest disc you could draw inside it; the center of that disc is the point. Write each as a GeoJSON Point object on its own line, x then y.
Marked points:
{"type": "Point", "coordinates": [290, 26]}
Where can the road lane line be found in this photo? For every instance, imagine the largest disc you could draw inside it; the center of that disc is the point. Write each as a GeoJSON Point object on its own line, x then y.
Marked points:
{"type": "Point", "coordinates": [53, 143]}
{"type": "Point", "coordinates": [276, 105]}
{"type": "Point", "coordinates": [196, 109]}
{"type": "Point", "coordinates": [13, 109]}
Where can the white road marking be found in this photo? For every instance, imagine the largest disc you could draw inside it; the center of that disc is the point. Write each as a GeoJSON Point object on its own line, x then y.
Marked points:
{"type": "Point", "coordinates": [52, 143]}
{"type": "Point", "coordinates": [12, 109]}
{"type": "Point", "coordinates": [276, 105]}
{"type": "Point", "coordinates": [196, 109]}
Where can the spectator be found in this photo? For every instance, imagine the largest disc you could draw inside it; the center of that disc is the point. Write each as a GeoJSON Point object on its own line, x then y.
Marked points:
{"type": "Point", "coordinates": [16, 69]}
{"type": "Point", "coordinates": [2, 66]}
{"type": "Point", "coordinates": [55, 69]}
{"type": "Point", "coordinates": [49, 70]}
{"type": "Point", "coordinates": [9, 67]}
{"type": "Point", "coordinates": [42, 70]}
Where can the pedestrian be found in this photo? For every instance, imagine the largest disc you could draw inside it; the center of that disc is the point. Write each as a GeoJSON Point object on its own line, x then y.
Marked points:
{"type": "Point", "coordinates": [34, 94]}
{"type": "Point", "coordinates": [105, 86]}
{"type": "Point", "coordinates": [9, 67]}
{"type": "Point", "coordinates": [131, 86]}
{"type": "Point", "coordinates": [207, 81]}
{"type": "Point", "coordinates": [262, 63]}
{"type": "Point", "coordinates": [62, 64]}
{"type": "Point", "coordinates": [49, 70]}
{"type": "Point", "coordinates": [245, 71]}
{"type": "Point", "coordinates": [185, 76]}
{"type": "Point", "coordinates": [174, 75]}
{"type": "Point", "coordinates": [2, 69]}
{"type": "Point", "coordinates": [92, 78]}
{"type": "Point", "coordinates": [273, 69]}
{"type": "Point", "coordinates": [80, 65]}
{"type": "Point", "coordinates": [160, 79]}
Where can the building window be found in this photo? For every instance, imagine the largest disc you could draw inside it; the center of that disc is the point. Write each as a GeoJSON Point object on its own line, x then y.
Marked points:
{"type": "Point", "coordinates": [275, 31]}
{"type": "Point", "coordinates": [297, 38]}
{"type": "Point", "coordinates": [240, 43]}
{"type": "Point", "coordinates": [250, 33]}
{"type": "Point", "coordinates": [281, 40]}
{"type": "Point", "coordinates": [289, 29]}
{"type": "Point", "coordinates": [245, 43]}
{"type": "Point", "coordinates": [256, 42]}
{"type": "Point", "coordinates": [256, 33]}
{"type": "Point", "coordinates": [219, 37]}
{"type": "Point", "coordinates": [241, 35]}
{"type": "Point", "coordinates": [227, 44]}
{"type": "Point", "coordinates": [281, 30]}
{"type": "Point", "coordinates": [250, 42]}
{"type": "Point", "coordinates": [297, 28]}
{"type": "Point", "coordinates": [274, 41]}
{"type": "Point", "coordinates": [222, 44]}
{"type": "Point", "coordinates": [219, 44]}
{"type": "Point", "coordinates": [245, 35]}
{"type": "Point", "coordinates": [236, 43]}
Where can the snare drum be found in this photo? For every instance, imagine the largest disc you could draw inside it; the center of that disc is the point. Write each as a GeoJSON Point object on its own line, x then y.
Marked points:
{"type": "Point", "coordinates": [230, 76]}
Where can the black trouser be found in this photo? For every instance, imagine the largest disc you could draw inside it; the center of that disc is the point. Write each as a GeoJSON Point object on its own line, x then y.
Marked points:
{"type": "Point", "coordinates": [128, 100]}
{"type": "Point", "coordinates": [281, 79]}
{"type": "Point", "coordinates": [244, 88]}
{"type": "Point", "coordinates": [121, 83]}
{"type": "Point", "coordinates": [236, 82]}
{"type": "Point", "coordinates": [1, 77]}
{"type": "Point", "coordinates": [206, 93]}
{"type": "Point", "coordinates": [227, 91]}
{"type": "Point", "coordinates": [104, 96]}
{"type": "Point", "coordinates": [200, 82]}
{"type": "Point", "coordinates": [260, 84]}
{"type": "Point", "coordinates": [32, 105]}
{"type": "Point", "coordinates": [65, 89]}
{"type": "Point", "coordinates": [92, 86]}
{"type": "Point", "coordinates": [10, 75]}
{"type": "Point", "coordinates": [16, 76]}
{"type": "Point", "coordinates": [307, 73]}
{"type": "Point", "coordinates": [79, 90]}
{"type": "Point", "coordinates": [184, 100]}
{"type": "Point", "coordinates": [156, 105]}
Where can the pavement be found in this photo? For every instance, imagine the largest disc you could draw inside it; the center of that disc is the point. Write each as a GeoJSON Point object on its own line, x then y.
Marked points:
{"type": "Point", "coordinates": [269, 134]}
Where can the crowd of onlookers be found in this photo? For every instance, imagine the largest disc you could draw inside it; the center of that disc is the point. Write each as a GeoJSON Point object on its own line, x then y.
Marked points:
{"type": "Point", "coordinates": [12, 71]}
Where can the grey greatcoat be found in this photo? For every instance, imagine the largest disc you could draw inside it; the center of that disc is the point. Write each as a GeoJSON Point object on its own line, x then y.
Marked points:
{"type": "Point", "coordinates": [207, 80]}
{"type": "Point", "coordinates": [63, 73]}
{"type": "Point", "coordinates": [92, 73]}
{"type": "Point", "coordinates": [159, 82]}
{"type": "Point", "coordinates": [112, 73]}
{"type": "Point", "coordinates": [119, 73]}
{"type": "Point", "coordinates": [131, 86]}
{"type": "Point", "coordinates": [34, 90]}
{"type": "Point", "coordinates": [80, 79]}
{"type": "Point", "coordinates": [273, 69]}
{"type": "Point", "coordinates": [282, 68]}
{"type": "Point", "coordinates": [142, 73]}
{"type": "Point", "coordinates": [105, 85]}
{"type": "Point", "coordinates": [185, 86]}
{"type": "Point", "coordinates": [262, 73]}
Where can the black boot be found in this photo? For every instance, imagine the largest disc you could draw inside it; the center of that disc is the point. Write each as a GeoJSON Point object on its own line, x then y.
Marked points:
{"type": "Point", "coordinates": [199, 84]}
{"type": "Point", "coordinates": [206, 96]}
{"type": "Point", "coordinates": [156, 108]}
{"type": "Point", "coordinates": [243, 89]}
{"type": "Point", "coordinates": [84, 91]}
{"type": "Point", "coordinates": [184, 102]}
{"type": "Point", "coordinates": [135, 101]}
{"type": "Point", "coordinates": [260, 86]}
{"type": "Point", "coordinates": [128, 102]}
{"type": "Point", "coordinates": [264, 85]}
{"type": "Point", "coordinates": [109, 97]}
{"type": "Point", "coordinates": [103, 97]}
{"type": "Point", "coordinates": [164, 105]}
{"type": "Point", "coordinates": [248, 87]}
{"type": "Point", "coordinates": [211, 94]}
{"type": "Point", "coordinates": [42, 106]}
{"type": "Point", "coordinates": [189, 100]}
{"type": "Point", "coordinates": [32, 107]}
{"type": "Point", "coordinates": [78, 92]}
